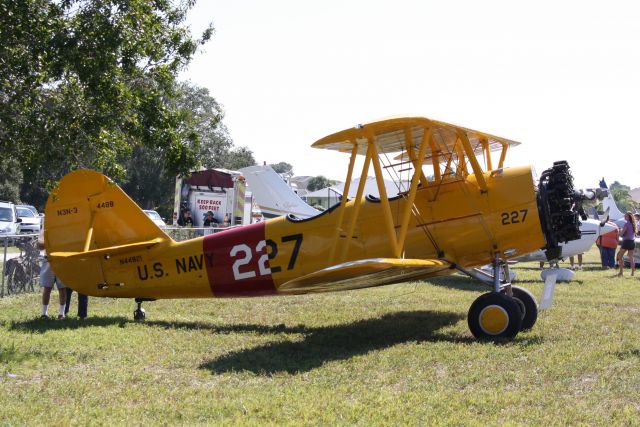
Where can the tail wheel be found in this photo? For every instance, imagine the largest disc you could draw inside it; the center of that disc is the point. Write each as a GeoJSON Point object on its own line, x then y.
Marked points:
{"type": "Point", "coordinates": [139, 314]}
{"type": "Point", "coordinates": [528, 306]}
{"type": "Point", "coordinates": [494, 315]}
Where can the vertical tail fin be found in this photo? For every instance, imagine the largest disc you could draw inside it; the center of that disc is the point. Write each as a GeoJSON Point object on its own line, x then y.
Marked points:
{"type": "Point", "coordinates": [88, 211]}
{"type": "Point", "coordinates": [273, 195]}
{"type": "Point", "coordinates": [610, 203]}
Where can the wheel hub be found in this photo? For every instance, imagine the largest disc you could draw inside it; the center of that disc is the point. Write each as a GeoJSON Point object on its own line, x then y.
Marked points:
{"type": "Point", "coordinates": [494, 320]}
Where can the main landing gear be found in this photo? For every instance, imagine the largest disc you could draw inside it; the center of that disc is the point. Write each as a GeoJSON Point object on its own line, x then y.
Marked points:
{"type": "Point", "coordinates": [139, 313]}
{"type": "Point", "coordinates": [494, 315]}
{"type": "Point", "coordinates": [503, 312]}
{"type": "Point", "coordinates": [509, 309]}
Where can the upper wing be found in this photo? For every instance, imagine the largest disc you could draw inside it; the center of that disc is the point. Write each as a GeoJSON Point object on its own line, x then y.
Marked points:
{"type": "Point", "coordinates": [391, 136]}
{"type": "Point", "coordinates": [366, 273]}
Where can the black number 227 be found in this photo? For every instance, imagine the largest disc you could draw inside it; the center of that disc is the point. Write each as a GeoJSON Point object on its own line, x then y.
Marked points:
{"type": "Point", "coordinates": [514, 217]}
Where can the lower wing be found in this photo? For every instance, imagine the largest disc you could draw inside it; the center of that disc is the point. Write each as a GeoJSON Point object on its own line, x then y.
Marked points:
{"type": "Point", "coordinates": [366, 273]}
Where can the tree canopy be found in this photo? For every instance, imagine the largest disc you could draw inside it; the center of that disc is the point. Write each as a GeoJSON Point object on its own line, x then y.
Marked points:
{"type": "Point", "coordinates": [10, 178]}
{"type": "Point", "coordinates": [93, 84]}
{"type": "Point", "coordinates": [284, 169]}
{"type": "Point", "coordinates": [84, 82]}
{"type": "Point", "coordinates": [622, 197]}
{"type": "Point", "coordinates": [319, 182]}
{"type": "Point", "coordinates": [151, 184]}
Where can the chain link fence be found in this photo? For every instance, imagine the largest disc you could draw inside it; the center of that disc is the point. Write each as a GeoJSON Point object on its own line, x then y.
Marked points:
{"type": "Point", "coordinates": [21, 261]}
{"type": "Point", "coordinates": [180, 234]}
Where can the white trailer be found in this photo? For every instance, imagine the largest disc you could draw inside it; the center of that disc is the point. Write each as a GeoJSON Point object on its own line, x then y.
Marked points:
{"type": "Point", "coordinates": [219, 191]}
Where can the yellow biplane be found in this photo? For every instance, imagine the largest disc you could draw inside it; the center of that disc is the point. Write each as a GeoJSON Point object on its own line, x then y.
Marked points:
{"type": "Point", "coordinates": [457, 208]}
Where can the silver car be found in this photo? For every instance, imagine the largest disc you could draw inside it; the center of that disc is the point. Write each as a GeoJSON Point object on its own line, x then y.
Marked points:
{"type": "Point", "coordinates": [156, 218]}
{"type": "Point", "coordinates": [30, 220]}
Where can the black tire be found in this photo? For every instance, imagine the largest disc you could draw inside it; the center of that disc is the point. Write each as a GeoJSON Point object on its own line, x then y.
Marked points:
{"type": "Point", "coordinates": [528, 301]}
{"type": "Point", "coordinates": [139, 315]}
{"type": "Point", "coordinates": [494, 315]}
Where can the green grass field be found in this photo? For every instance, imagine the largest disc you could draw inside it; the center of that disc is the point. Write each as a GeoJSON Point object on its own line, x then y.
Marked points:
{"type": "Point", "coordinates": [393, 355]}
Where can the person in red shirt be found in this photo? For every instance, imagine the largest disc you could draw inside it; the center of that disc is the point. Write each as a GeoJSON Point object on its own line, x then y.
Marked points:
{"type": "Point", "coordinates": [608, 243]}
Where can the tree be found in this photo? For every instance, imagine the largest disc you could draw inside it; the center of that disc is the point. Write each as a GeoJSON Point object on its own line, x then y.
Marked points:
{"type": "Point", "coordinates": [148, 180]}
{"type": "Point", "coordinates": [238, 157]}
{"type": "Point", "coordinates": [284, 169]}
{"type": "Point", "coordinates": [10, 179]}
{"type": "Point", "coordinates": [204, 116]}
{"type": "Point", "coordinates": [84, 82]}
{"type": "Point", "coordinates": [622, 197]}
{"type": "Point", "coordinates": [319, 182]}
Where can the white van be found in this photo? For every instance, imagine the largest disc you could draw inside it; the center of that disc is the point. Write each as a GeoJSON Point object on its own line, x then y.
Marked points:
{"type": "Point", "coordinates": [9, 221]}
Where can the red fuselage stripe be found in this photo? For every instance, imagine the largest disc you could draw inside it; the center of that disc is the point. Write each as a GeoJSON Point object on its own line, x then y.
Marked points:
{"type": "Point", "coordinates": [238, 262]}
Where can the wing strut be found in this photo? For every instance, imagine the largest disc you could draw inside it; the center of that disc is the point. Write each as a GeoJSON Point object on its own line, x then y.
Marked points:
{"type": "Point", "coordinates": [482, 183]}
{"type": "Point", "coordinates": [487, 153]}
{"type": "Point", "coordinates": [451, 150]}
{"type": "Point", "coordinates": [343, 201]}
{"type": "Point", "coordinates": [357, 203]}
{"type": "Point", "coordinates": [503, 155]}
{"type": "Point", "coordinates": [382, 190]}
{"type": "Point", "coordinates": [406, 215]}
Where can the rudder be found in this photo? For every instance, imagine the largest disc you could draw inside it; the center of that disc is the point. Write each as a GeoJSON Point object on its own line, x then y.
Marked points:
{"type": "Point", "coordinates": [88, 211]}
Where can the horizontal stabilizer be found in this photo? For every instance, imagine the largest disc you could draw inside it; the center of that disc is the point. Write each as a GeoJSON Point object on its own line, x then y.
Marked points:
{"type": "Point", "coordinates": [114, 250]}
{"type": "Point", "coordinates": [365, 273]}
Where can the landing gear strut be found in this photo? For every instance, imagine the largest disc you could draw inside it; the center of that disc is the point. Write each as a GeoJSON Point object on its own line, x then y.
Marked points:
{"type": "Point", "coordinates": [501, 313]}
{"type": "Point", "coordinates": [508, 309]}
{"type": "Point", "coordinates": [139, 313]}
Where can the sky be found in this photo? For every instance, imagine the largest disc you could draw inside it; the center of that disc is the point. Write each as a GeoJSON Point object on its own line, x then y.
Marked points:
{"type": "Point", "coordinates": [562, 77]}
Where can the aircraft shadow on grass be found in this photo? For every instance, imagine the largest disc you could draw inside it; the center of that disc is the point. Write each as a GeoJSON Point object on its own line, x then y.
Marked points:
{"type": "Point", "coordinates": [538, 281]}
{"type": "Point", "coordinates": [317, 346]}
{"type": "Point", "coordinates": [42, 326]}
{"type": "Point", "coordinates": [633, 353]}
{"type": "Point", "coordinates": [462, 283]}
{"type": "Point", "coordinates": [465, 284]}
{"type": "Point", "coordinates": [339, 342]}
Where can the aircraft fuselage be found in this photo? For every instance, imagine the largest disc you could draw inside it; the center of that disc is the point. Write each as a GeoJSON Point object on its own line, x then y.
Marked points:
{"type": "Point", "coordinates": [452, 221]}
